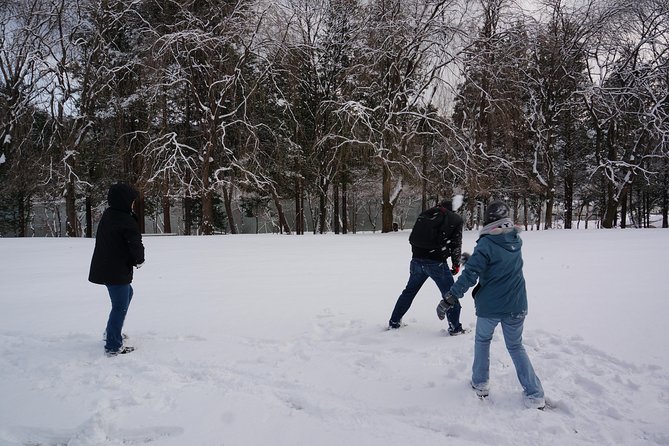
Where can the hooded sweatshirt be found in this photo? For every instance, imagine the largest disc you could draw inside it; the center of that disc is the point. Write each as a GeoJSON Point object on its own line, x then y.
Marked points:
{"type": "Point", "coordinates": [118, 241]}
{"type": "Point", "coordinates": [497, 264]}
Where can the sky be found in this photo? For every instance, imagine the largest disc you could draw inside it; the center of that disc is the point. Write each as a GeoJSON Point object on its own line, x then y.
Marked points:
{"type": "Point", "coordinates": [282, 340]}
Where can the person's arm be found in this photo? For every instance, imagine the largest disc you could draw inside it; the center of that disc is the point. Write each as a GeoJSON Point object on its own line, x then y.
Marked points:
{"type": "Point", "coordinates": [134, 240]}
{"type": "Point", "coordinates": [476, 264]}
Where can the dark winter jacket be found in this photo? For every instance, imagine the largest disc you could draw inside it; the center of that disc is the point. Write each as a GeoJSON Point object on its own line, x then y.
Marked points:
{"type": "Point", "coordinates": [497, 264]}
{"type": "Point", "coordinates": [118, 242]}
{"type": "Point", "coordinates": [451, 240]}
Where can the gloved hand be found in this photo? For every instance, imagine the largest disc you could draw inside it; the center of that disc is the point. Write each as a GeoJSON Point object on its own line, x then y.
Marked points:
{"type": "Point", "coordinates": [139, 265]}
{"type": "Point", "coordinates": [464, 257]}
{"type": "Point", "coordinates": [455, 269]}
{"type": "Point", "coordinates": [445, 304]}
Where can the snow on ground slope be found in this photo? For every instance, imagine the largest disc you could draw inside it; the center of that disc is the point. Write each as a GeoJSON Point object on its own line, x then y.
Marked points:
{"type": "Point", "coordinates": [257, 340]}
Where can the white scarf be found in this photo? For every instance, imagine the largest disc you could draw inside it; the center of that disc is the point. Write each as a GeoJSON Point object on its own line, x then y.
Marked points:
{"type": "Point", "coordinates": [497, 227]}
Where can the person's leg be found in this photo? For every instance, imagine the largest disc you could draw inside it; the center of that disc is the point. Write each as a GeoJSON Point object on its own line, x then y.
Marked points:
{"type": "Point", "coordinates": [512, 327]}
{"type": "Point", "coordinates": [120, 296]}
{"type": "Point", "coordinates": [104, 337]}
{"type": "Point", "coordinates": [442, 276]}
{"type": "Point", "coordinates": [485, 328]}
{"type": "Point", "coordinates": [417, 278]}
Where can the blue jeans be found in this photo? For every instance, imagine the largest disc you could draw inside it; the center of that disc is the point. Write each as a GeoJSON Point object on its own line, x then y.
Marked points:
{"type": "Point", "coordinates": [120, 295]}
{"type": "Point", "coordinates": [419, 271]}
{"type": "Point", "coordinates": [512, 328]}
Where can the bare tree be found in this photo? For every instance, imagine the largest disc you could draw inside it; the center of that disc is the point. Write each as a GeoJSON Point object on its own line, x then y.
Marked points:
{"type": "Point", "coordinates": [400, 65]}
{"type": "Point", "coordinates": [23, 28]}
{"type": "Point", "coordinates": [628, 102]}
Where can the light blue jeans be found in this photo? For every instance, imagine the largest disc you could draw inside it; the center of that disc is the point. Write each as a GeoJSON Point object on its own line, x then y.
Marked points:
{"type": "Point", "coordinates": [512, 328]}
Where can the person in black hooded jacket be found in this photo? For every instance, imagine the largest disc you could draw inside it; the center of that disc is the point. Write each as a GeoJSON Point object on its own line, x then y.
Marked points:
{"type": "Point", "coordinates": [432, 263]}
{"type": "Point", "coordinates": [118, 248]}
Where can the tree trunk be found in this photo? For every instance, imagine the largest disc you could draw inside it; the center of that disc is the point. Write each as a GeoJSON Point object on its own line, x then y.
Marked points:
{"type": "Point", "coordinates": [568, 200]}
{"type": "Point", "coordinates": [525, 211]}
{"type": "Point", "coordinates": [322, 212]}
{"type": "Point", "coordinates": [646, 214]}
{"type": "Point", "coordinates": [21, 226]}
{"type": "Point", "coordinates": [70, 210]}
{"type": "Point", "coordinates": [335, 212]}
{"type": "Point", "coordinates": [623, 211]}
{"type": "Point", "coordinates": [207, 226]}
{"type": "Point", "coordinates": [140, 210]}
{"type": "Point", "coordinates": [386, 205]}
{"type": "Point", "coordinates": [299, 208]}
{"type": "Point", "coordinates": [89, 217]}
{"type": "Point", "coordinates": [188, 215]}
{"type": "Point", "coordinates": [283, 222]}
{"type": "Point", "coordinates": [227, 200]}
{"type": "Point", "coordinates": [322, 205]}
{"type": "Point", "coordinates": [167, 220]}
{"type": "Point", "coordinates": [550, 201]}
{"type": "Point", "coordinates": [166, 205]}
{"type": "Point", "coordinates": [423, 188]}
{"type": "Point", "coordinates": [344, 208]}
{"type": "Point", "coordinates": [354, 208]}
{"type": "Point", "coordinates": [665, 196]}
{"type": "Point", "coordinates": [610, 208]}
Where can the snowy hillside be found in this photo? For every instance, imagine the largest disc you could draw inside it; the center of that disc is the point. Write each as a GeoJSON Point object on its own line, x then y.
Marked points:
{"type": "Point", "coordinates": [280, 340]}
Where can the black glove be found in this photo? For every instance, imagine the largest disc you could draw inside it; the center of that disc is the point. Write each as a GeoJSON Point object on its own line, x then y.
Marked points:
{"type": "Point", "coordinates": [446, 304]}
{"type": "Point", "coordinates": [464, 257]}
{"type": "Point", "coordinates": [455, 269]}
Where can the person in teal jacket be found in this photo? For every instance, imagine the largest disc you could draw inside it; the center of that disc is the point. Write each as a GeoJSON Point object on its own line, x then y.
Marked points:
{"type": "Point", "coordinates": [500, 298]}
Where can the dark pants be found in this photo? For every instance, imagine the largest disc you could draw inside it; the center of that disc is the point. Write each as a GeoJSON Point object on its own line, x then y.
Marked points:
{"type": "Point", "coordinates": [419, 271]}
{"type": "Point", "coordinates": [120, 296]}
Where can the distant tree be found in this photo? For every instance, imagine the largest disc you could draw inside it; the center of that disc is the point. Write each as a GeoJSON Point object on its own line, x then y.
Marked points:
{"type": "Point", "coordinates": [400, 64]}
{"type": "Point", "coordinates": [628, 106]}
{"type": "Point", "coordinates": [24, 26]}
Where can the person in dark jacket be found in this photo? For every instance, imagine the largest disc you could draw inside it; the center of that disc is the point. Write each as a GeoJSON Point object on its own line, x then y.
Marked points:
{"type": "Point", "coordinates": [433, 263]}
{"type": "Point", "coordinates": [500, 298]}
{"type": "Point", "coordinates": [118, 248]}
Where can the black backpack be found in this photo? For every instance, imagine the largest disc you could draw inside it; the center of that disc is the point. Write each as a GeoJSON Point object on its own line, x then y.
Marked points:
{"type": "Point", "coordinates": [427, 232]}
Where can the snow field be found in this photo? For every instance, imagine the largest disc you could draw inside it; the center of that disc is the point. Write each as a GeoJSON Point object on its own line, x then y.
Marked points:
{"type": "Point", "coordinates": [250, 340]}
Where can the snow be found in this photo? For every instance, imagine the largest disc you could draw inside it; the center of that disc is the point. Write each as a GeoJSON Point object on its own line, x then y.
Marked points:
{"type": "Point", "coordinates": [280, 340]}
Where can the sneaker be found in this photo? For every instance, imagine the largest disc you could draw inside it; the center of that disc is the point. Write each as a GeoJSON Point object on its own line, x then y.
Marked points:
{"type": "Point", "coordinates": [535, 403]}
{"type": "Point", "coordinates": [457, 330]}
{"type": "Point", "coordinates": [481, 392]}
{"type": "Point", "coordinates": [121, 351]}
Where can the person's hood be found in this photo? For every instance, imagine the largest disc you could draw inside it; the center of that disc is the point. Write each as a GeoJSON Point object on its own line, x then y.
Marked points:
{"type": "Point", "coordinates": [121, 196]}
{"type": "Point", "coordinates": [503, 233]}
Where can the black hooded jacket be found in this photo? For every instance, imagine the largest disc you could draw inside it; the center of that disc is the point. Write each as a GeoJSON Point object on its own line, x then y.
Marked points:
{"type": "Point", "coordinates": [450, 239]}
{"type": "Point", "coordinates": [118, 242]}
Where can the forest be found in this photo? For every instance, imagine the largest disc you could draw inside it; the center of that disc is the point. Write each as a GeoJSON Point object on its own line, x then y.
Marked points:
{"type": "Point", "coordinates": [316, 114]}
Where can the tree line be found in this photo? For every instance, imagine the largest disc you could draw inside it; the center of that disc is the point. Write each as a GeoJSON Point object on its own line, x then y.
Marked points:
{"type": "Point", "coordinates": [218, 105]}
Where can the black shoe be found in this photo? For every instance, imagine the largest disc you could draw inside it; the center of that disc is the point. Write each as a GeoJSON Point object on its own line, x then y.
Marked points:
{"type": "Point", "coordinates": [121, 351]}
{"type": "Point", "coordinates": [394, 325]}
{"type": "Point", "coordinates": [457, 330]}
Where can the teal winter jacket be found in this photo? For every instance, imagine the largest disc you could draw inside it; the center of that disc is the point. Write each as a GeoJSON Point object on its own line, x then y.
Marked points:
{"type": "Point", "coordinates": [497, 264]}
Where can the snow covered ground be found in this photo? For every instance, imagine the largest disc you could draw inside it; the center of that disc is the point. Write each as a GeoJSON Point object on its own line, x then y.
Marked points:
{"type": "Point", "coordinates": [280, 340]}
